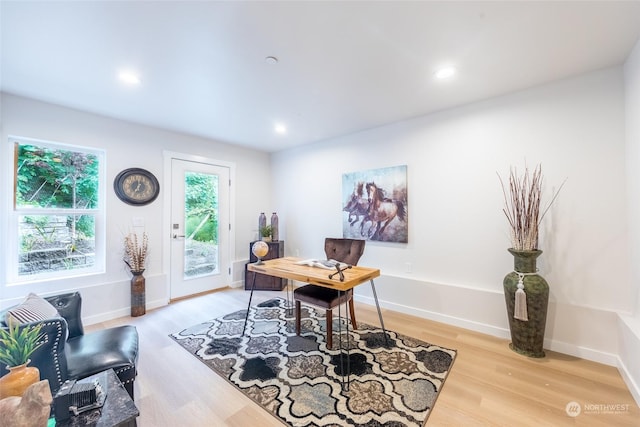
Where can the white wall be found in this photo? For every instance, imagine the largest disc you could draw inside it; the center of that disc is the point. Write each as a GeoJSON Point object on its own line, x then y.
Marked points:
{"type": "Point", "coordinates": [629, 327]}
{"type": "Point", "coordinates": [127, 145]}
{"type": "Point", "coordinates": [457, 231]}
{"type": "Point", "coordinates": [632, 122]}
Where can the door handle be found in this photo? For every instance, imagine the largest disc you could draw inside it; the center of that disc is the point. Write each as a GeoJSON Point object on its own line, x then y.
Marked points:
{"type": "Point", "coordinates": [175, 236]}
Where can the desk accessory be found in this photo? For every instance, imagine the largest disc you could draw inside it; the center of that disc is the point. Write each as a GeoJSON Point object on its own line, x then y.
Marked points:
{"type": "Point", "coordinates": [339, 271]}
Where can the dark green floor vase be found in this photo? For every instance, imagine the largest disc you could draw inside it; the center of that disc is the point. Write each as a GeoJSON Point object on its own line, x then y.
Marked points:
{"type": "Point", "coordinates": [527, 337]}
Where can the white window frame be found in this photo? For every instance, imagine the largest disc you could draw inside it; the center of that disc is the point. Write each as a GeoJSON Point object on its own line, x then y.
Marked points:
{"type": "Point", "coordinates": [13, 276]}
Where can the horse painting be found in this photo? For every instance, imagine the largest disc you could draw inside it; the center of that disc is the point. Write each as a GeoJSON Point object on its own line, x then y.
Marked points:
{"type": "Point", "coordinates": [381, 211]}
{"type": "Point", "coordinates": [375, 205]}
{"type": "Point", "coordinates": [358, 207]}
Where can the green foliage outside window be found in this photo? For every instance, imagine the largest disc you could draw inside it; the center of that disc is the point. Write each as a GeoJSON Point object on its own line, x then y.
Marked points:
{"type": "Point", "coordinates": [57, 191]}
{"type": "Point", "coordinates": [55, 178]}
{"type": "Point", "coordinates": [201, 206]}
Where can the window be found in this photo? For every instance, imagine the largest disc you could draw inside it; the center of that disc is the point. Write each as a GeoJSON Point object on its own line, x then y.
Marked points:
{"type": "Point", "coordinates": [57, 207]}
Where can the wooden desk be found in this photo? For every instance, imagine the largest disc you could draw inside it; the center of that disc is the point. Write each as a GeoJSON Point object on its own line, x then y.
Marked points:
{"type": "Point", "coordinates": [286, 268]}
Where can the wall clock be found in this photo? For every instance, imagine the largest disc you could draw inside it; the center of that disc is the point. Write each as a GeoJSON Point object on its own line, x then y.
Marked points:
{"type": "Point", "coordinates": [136, 186]}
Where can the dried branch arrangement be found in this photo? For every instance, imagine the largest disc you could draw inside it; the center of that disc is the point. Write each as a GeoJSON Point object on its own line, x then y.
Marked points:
{"type": "Point", "coordinates": [522, 207]}
{"type": "Point", "coordinates": [135, 255]}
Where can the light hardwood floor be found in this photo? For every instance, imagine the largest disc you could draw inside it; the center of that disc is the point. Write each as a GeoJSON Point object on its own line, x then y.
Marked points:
{"type": "Point", "coordinates": [489, 384]}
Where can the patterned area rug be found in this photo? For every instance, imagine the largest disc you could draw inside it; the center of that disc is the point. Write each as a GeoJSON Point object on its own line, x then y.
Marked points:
{"type": "Point", "coordinates": [298, 380]}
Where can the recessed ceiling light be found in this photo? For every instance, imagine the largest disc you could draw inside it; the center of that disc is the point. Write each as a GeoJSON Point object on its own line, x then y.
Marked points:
{"type": "Point", "coordinates": [272, 60]}
{"type": "Point", "coordinates": [445, 73]}
{"type": "Point", "coordinates": [129, 77]}
{"type": "Point", "coordinates": [280, 129]}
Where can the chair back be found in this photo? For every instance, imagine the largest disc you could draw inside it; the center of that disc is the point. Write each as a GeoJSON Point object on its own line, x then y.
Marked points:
{"type": "Point", "coordinates": [348, 251]}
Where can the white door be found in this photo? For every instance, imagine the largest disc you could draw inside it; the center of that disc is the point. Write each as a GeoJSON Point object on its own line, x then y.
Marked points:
{"type": "Point", "coordinates": [200, 225]}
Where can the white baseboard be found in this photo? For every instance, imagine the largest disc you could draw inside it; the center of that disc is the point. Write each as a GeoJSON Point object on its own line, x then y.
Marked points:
{"type": "Point", "coordinates": [634, 389]}
{"type": "Point", "coordinates": [122, 312]}
{"type": "Point", "coordinates": [438, 317]}
{"type": "Point", "coordinates": [582, 352]}
{"type": "Point", "coordinates": [237, 284]}
{"type": "Point", "coordinates": [629, 349]}
{"type": "Point", "coordinates": [553, 345]}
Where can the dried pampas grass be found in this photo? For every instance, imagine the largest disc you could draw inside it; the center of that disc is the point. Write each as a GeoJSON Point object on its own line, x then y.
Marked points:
{"type": "Point", "coordinates": [522, 207]}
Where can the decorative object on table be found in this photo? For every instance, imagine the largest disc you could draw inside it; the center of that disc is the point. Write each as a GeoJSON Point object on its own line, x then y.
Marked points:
{"type": "Point", "coordinates": [381, 213]}
{"type": "Point", "coordinates": [113, 407]}
{"type": "Point", "coordinates": [135, 257]}
{"type": "Point", "coordinates": [260, 249]}
{"type": "Point", "coordinates": [30, 410]}
{"type": "Point", "coordinates": [76, 397]}
{"type": "Point", "coordinates": [262, 221]}
{"type": "Point", "coordinates": [265, 233]}
{"type": "Point", "coordinates": [298, 380]}
{"type": "Point", "coordinates": [274, 227]}
{"type": "Point", "coordinates": [136, 186]}
{"type": "Point", "coordinates": [526, 292]}
{"type": "Point", "coordinates": [17, 344]}
{"type": "Point", "coordinates": [263, 282]}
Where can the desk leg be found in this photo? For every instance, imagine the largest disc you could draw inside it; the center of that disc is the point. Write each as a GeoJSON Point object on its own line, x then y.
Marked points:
{"type": "Point", "coordinates": [347, 383]}
{"type": "Point", "coordinates": [246, 317]}
{"type": "Point", "coordinates": [375, 297]}
{"type": "Point", "coordinates": [289, 309]}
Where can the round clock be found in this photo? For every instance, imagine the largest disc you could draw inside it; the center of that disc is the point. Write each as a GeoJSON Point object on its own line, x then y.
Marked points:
{"type": "Point", "coordinates": [136, 186]}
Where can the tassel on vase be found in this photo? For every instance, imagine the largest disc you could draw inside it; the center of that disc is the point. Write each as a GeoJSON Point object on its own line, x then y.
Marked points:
{"type": "Point", "coordinates": [520, 310]}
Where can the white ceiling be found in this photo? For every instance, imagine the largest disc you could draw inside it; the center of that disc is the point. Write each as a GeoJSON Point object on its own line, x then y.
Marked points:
{"type": "Point", "coordinates": [343, 66]}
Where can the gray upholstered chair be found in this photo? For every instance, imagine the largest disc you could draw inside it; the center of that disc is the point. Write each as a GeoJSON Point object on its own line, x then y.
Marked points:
{"type": "Point", "coordinates": [347, 251]}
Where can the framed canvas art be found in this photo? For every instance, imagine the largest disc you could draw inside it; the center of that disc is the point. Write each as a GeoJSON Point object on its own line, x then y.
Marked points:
{"type": "Point", "coordinates": [375, 205]}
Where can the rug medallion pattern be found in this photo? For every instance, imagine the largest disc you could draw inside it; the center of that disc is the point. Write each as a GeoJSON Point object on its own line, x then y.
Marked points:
{"type": "Point", "coordinates": [298, 380]}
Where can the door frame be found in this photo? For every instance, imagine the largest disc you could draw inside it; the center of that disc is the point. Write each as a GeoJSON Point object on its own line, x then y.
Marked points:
{"type": "Point", "coordinates": [168, 156]}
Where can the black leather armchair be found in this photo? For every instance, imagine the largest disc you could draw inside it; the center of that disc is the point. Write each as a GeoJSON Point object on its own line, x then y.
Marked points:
{"type": "Point", "coordinates": [68, 353]}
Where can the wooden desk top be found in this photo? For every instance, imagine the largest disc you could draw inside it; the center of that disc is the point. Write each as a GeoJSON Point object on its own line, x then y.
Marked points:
{"type": "Point", "coordinates": [287, 268]}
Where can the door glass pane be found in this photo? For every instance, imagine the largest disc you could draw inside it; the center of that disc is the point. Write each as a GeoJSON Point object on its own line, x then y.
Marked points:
{"type": "Point", "coordinates": [201, 225]}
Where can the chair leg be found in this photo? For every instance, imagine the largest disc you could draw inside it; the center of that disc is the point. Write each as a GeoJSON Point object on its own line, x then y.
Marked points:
{"type": "Point", "coordinates": [329, 317]}
{"type": "Point", "coordinates": [298, 315]}
{"type": "Point", "coordinates": [352, 313]}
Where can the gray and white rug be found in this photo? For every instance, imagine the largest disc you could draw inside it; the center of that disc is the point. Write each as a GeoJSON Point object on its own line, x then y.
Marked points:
{"type": "Point", "coordinates": [298, 380]}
